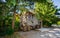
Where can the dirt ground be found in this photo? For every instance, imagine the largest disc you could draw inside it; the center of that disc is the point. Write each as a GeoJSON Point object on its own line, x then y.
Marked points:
{"type": "Point", "coordinates": [52, 33]}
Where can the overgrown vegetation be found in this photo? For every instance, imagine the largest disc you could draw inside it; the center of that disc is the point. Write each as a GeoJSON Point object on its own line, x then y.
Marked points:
{"type": "Point", "coordinates": [44, 9]}
{"type": "Point", "coordinates": [46, 12]}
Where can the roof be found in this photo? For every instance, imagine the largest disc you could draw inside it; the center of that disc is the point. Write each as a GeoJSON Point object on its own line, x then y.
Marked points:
{"type": "Point", "coordinates": [30, 12]}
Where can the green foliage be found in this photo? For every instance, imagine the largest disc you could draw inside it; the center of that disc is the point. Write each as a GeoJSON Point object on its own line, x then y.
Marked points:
{"type": "Point", "coordinates": [9, 30]}
{"type": "Point", "coordinates": [58, 22]}
{"type": "Point", "coordinates": [17, 25]}
{"type": "Point", "coordinates": [10, 3]}
{"type": "Point", "coordinates": [6, 18]}
{"type": "Point", "coordinates": [6, 28]}
{"type": "Point", "coordinates": [45, 10]}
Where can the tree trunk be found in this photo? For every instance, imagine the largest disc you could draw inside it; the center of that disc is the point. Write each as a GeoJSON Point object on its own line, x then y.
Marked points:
{"type": "Point", "coordinates": [13, 23]}
{"type": "Point", "coordinates": [13, 20]}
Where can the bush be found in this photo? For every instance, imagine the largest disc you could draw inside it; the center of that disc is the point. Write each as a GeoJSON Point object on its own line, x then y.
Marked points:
{"type": "Point", "coordinates": [58, 22]}
{"type": "Point", "coordinates": [9, 31]}
{"type": "Point", "coordinates": [6, 28]}
{"type": "Point", "coordinates": [6, 31]}
{"type": "Point", "coordinates": [47, 24]}
{"type": "Point", "coordinates": [17, 25]}
{"type": "Point", "coordinates": [2, 31]}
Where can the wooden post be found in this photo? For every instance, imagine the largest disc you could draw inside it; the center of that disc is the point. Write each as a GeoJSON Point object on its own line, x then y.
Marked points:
{"type": "Point", "coordinates": [41, 23]}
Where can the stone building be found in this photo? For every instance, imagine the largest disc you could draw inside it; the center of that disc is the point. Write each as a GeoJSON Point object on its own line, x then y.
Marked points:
{"type": "Point", "coordinates": [29, 21]}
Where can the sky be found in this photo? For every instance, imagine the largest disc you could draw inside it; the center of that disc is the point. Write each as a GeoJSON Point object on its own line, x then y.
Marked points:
{"type": "Point", "coordinates": [56, 3]}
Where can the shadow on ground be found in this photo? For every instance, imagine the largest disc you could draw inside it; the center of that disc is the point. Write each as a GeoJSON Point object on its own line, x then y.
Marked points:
{"type": "Point", "coordinates": [52, 33]}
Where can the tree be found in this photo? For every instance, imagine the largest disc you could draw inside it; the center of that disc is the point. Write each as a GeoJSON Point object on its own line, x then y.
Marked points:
{"type": "Point", "coordinates": [6, 8]}
{"type": "Point", "coordinates": [45, 10]}
{"type": "Point", "coordinates": [11, 6]}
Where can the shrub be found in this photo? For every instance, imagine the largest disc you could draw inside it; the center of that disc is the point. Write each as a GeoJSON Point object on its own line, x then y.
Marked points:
{"type": "Point", "coordinates": [9, 31]}
{"type": "Point", "coordinates": [58, 22]}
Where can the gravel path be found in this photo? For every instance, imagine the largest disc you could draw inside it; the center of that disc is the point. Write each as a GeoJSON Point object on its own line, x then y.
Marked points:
{"type": "Point", "coordinates": [52, 33]}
